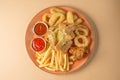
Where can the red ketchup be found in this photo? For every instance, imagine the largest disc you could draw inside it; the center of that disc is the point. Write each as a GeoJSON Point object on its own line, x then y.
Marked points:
{"type": "Point", "coordinates": [40, 28]}
{"type": "Point", "coordinates": [38, 44]}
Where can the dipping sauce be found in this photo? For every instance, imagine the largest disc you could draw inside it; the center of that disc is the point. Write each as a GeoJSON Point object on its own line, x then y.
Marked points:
{"type": "Point", "coordinates": [38, 44]}
{"type": "Point", "coordinates": [40, 28]}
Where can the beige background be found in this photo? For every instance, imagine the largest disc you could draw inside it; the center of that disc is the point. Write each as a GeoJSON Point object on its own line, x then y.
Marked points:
{"type": "Point", "coordinates": [15, 63]}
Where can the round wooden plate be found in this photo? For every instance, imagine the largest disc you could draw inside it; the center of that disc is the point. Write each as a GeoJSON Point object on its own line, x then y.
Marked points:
{"type": "Point", "coordinates": [30, 35]}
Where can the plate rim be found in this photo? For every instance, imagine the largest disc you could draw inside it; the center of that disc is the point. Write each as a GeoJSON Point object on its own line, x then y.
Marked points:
{"type": "Point", "coordinates": [90, 26]}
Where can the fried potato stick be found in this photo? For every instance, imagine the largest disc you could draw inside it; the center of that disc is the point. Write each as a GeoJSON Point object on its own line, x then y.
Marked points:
{"type": "Point", "coordinates": [38, 55]}
{"type": "Point", "coordinates": [47, 60]}
{"type": "Point", "coordinates": [56, 60]}
{"type": "Point", "coordinates": [44, 65]}
{"type": "Point", "coordinates": [52, 58]}
{"type": "Point", "coordinates": [49, 68]}
{"type": "Point", "coordinates": [47, 54]}
{"type": "Point", "coordinates": [61, 63]}
{"type": "Point", "coordinates": [65, 61]}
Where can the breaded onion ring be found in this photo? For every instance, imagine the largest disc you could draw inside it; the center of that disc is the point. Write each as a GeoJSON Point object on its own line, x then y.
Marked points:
{"type": "Point", "coordinates": [70, 19]}
{"type": "Point", "coordinates": [56, 18]}
{"type": "Point", "coordinates": [57, 10]}
{"type": "Point", "coordinates": [81, 41]}
{"type": "Point", "coordinates": [46, 17]}
{"type": "Point", "coordinates": [82, 30]}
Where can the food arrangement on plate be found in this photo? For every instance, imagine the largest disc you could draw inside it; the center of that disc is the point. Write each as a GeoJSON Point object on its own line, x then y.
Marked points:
{"type": "Point", "coordinates": [61, 40]}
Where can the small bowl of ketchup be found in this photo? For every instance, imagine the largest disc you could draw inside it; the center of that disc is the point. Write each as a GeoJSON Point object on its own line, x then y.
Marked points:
{"type": "Point", "coordinates": [40, 28]}
{"type": "Point", "coordinates": [38, 44]}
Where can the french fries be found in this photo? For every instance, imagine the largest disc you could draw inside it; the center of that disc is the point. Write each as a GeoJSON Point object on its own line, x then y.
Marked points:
{"type": "Point", "coordinates": [53, 60]}
{"type": "Point", "coordinates": [46, 55]}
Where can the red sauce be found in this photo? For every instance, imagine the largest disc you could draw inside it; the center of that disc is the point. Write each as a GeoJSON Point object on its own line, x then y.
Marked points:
{"type": "Point", "coordinates": [40, 29]}
{"type": "Point", "coordinates": [38, 44]}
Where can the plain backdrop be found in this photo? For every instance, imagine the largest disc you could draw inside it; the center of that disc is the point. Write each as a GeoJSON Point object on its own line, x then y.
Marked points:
{"type": "Point", "coordinates": [15, 16]}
